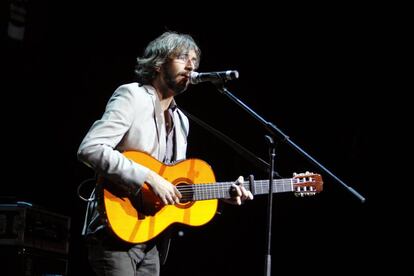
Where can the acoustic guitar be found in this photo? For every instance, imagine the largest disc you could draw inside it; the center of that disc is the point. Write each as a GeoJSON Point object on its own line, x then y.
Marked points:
{"type": "Point", "coordinates": [145, 217]}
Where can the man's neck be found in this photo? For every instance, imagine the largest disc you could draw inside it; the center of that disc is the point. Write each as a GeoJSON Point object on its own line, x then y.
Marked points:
{"type": "Point", "coordinates": [164, 98]}
{"type": "Point", "coordinates": [164, 94]}
{"type": "Point", "coordinates": [165, 102]}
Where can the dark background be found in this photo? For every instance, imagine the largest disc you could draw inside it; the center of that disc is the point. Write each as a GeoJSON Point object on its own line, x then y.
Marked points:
{"type": "Point", "coordinates": [310, 70]}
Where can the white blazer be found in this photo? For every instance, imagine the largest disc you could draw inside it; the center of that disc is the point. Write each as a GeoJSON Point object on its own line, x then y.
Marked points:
{"type": "Point", "coordinates": [133, 120]}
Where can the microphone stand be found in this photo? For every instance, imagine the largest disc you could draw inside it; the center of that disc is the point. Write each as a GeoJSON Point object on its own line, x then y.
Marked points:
{"type": "Point", "coordinates": [268, 257]}
{"type": "Point", "coordinates": [275, 131]}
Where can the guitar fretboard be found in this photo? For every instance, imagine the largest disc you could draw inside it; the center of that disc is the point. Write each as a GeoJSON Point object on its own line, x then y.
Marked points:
{"type": "Point", "coordinates": [223, 189]}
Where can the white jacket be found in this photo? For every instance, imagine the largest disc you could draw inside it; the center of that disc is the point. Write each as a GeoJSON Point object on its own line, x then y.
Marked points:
{"type": "Point", "coordinates": [133, 120]}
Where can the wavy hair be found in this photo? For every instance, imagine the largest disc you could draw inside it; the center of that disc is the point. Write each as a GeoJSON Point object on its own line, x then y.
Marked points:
{"type": "Point", "coordinates": [168, 45]}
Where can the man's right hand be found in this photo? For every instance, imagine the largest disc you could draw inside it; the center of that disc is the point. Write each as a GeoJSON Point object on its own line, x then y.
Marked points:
{"type": "Point", "coordinates": [163, 189]}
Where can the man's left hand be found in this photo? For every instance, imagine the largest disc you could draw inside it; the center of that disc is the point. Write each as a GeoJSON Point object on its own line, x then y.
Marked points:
{"type": "Point", "coordinates": [239, 193]}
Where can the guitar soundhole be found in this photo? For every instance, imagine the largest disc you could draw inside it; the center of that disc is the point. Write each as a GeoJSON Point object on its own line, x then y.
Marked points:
{"type": "Point", "coordinates": [187, 193]}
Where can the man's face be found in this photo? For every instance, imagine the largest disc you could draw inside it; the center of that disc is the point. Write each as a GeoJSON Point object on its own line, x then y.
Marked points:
{"type": "Point", "coordinates": [176, 73]}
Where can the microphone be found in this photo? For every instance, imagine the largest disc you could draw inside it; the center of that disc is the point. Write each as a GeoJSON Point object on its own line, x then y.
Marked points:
{"type": "Point", "coordinates": [213, 76]}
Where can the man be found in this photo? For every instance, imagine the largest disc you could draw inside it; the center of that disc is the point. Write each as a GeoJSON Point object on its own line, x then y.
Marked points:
{"type": "Point", "coordinates": [141, 116]}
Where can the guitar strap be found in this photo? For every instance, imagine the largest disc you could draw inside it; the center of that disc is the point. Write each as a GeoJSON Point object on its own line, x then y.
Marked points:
{"type": "Point", "coordinates": [257, 161]}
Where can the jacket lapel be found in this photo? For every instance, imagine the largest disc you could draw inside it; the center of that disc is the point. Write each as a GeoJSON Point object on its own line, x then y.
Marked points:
{"type": "Point", "coordinates": [160, 125]}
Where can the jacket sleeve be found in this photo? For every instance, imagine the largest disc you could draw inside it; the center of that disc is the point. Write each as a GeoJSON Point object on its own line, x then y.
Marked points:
{"type": "Point", "coordinates": [98, 148]}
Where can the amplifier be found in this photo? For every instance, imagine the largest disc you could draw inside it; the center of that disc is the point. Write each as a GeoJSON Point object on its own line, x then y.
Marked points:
{"type": "Point", "coordinates": [24, 225]}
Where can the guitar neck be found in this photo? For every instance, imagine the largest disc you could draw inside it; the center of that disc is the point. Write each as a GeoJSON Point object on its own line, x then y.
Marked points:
{"type": "Point", "coordinates": [222, 189]}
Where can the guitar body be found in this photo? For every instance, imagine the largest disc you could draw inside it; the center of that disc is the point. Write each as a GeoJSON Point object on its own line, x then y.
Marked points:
{"type": "Point", "coordinates": [140, 222]}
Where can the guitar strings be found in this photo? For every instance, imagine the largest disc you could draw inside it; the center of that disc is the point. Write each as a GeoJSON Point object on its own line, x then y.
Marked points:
{"type": "Point", "coordinates": [222, 189]}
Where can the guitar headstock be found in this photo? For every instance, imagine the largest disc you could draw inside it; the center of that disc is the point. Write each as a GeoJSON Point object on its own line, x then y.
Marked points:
{"type": "Point", "coordinates": [306, 184]}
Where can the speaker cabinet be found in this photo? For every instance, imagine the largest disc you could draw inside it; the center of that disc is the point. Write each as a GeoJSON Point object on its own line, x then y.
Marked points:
{"type": "Point", "coordinates": [33, 241]}
{"type": "Point", "coordinates": [33, 227]}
